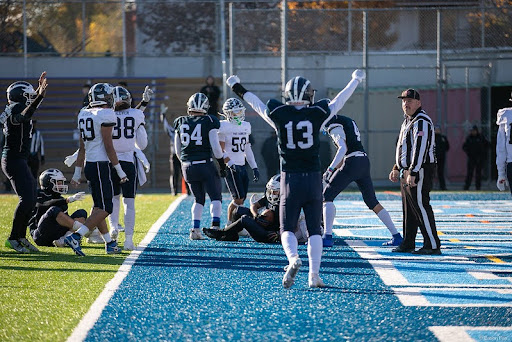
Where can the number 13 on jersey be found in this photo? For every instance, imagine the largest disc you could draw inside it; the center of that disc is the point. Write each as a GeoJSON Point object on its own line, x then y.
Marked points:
{"type": "Point", "coordinates": [306, 139]}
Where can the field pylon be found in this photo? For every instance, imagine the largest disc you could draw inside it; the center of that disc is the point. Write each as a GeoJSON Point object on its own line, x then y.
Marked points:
{"type": "Point", "coordinates": [183, 186]}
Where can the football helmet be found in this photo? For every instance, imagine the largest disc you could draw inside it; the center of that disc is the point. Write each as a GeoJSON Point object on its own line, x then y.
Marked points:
{"type": "Point", "coordinates": [101, 94]}
{"type": "Point", "coordinates": [273, 189]}
{"type": "Point", "coordinates": [122, 97]}
{"type": "Point", "coordinates": [53, 180]}
{"type": "Point", "coordinates": [298, 92]}
{"type": "Point", "coordinates": [198, 103]}
{"type": "Point", "coordinates": [21, 92]}
{"type": "Point", "coordinates": [234, 110]}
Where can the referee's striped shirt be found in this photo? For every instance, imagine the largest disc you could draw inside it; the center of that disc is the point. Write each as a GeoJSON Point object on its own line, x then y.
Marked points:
{"type": "Point", "coordinates": [416, 142]}
{"type": "Point", "coordinates": [37, 143]}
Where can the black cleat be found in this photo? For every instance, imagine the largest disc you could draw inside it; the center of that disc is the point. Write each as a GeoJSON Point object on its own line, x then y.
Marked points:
{"type": "Point", "coordinates": [213, 233]}
{"type": "Point", "coordinates": [401, 249]}
{"type": "Point", "coordinates": [428, 251]}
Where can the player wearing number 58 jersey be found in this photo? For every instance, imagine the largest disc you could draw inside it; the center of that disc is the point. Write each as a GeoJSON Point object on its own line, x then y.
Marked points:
{"type": "Point", "coordinates": [350, 164]}
{"type": "Point", "coordinates": [128, 135]}
{"type": "Point", "coordinates": [234, 139]}
{"type": "Point", "coordinates": [195, 139]}
{"type": "Point", "coordinates": [504, 148]}
{"type": "Point", "coordinates": [298, 124]}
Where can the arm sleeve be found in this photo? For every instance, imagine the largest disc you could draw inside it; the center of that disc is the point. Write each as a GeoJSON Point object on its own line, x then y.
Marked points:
{"type": "Point", "coordinates": [168, 128]}
{"type": "Point", "coordinates": [214, 142]}
{"type": "Point", "coordinates": [339, 101]}
{"type": "Point", "coordinates": [259, 107]}
{"type": "Point", "coordinates": [338, 136]}
{"type": "Point", "coordinates": [249, 155]}
{"type": "Point", "coordinates": [420, 134]}
{"type": "Point", "coordinates": [141, 137]}
{"type": "Point", "coordinates": [177, 145]}
{"type": "Point", "coordinates": [27, 113]}
{"type": "Point", "coordinates": [501, 152]}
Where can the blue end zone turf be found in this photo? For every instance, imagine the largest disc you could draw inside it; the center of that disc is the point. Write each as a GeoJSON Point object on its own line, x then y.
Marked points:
{"type": "Point", "coordinates": [180, 289]}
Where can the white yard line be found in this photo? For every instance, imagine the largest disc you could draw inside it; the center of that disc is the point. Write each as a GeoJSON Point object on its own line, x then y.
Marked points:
{"type": "Point", "coordinates": [94, 313]}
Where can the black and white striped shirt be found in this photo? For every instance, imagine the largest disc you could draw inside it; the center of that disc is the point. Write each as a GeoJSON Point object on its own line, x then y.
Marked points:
{"type": "Point", "coordinates": [37, 143]}
{"type": "Point", "coordinates": [416, 142]}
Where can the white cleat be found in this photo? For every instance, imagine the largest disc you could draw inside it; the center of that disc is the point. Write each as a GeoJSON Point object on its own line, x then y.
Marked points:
{"type": "Point", "coordinates": [114, 233]}
{"type": "Point", "coordinates": [60, 242]}
{"type": "Point", "coordinates": [314, 280]}
{"type": "Point", "coordinates": [195, 234]}
{"type": "Point", "coordinates": [95, 237]}
{"type": "Point", "coordinates": [291, 272]}
{"type": "Point", "coordinates": [244, 233]}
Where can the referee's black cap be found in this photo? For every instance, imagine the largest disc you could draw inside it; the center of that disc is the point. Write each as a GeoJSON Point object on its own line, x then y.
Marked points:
{"type": "Point", "coordinates": [410, 94]}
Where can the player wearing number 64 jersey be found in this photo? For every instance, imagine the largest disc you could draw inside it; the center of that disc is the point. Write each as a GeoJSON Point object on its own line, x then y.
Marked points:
{"type": "Point", "coordinates": [298, 124]}
{"type": "Point", "coordinates": [234, 139]}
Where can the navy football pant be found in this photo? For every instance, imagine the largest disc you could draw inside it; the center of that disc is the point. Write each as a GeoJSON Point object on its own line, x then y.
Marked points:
{"type": "Point", "coordinates": [203, 179]}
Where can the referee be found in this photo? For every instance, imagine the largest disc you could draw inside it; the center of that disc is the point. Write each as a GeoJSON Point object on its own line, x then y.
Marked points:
{"type": "Point", "coordinates": [414, 168]}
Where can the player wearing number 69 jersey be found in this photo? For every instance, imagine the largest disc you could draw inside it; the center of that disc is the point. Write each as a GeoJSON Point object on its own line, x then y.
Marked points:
{"type": "Point", "coordinates": [234, 139]}
{"type": "Point", "coordinates": [128, 135]}
{"type": "Point", "coordinates": [504, 148]}
{"type": "Point", "coordinates": [195, 139]}
{"type": "Point", "coordinates": [350, 164]}
{"type": "Point", "coordinates": [298, 124]}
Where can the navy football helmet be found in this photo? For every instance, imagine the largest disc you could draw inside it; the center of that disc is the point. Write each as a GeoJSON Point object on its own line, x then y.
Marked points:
{"type": "Point", "coordinates": [198, 103]}
{"type": "Point", "coordinates": [122, 97]}
{"type": "Point", "coordinates": [21, 92]}
{"type": "Point", "coordinates": [298, 92]}
{"type": "Point", "coordinates": [234, 110]}
{"type": "Point", "coordinates": [101, 94]}
{"type": "Point", "coordinates": [53, 180]}
{"type": "Point", "coordinates": [273, 189]}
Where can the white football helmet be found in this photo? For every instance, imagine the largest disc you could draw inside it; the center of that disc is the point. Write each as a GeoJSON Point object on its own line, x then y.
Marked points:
{"type": "Point", "coordinates": [198, 103]}
{"type": "Point", "coordinates": [273, 189]}
{"type": "Point", "coordinates": [53, 180]}
{"type": "Point", "coordinates": [234, 110]}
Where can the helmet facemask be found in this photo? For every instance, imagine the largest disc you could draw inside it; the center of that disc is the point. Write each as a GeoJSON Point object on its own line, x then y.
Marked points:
{"type": "Point", "coordinates": [53, 180]}
{"type": "Point", "coordinates": [273, 189]}
{"type": "Point", "coordinates": [234, 110]}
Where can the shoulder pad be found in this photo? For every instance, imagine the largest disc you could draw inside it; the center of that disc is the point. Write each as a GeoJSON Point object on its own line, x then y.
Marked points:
{"type": "Point", "coordinates": [324, 104]}
{"type": "Point", "coordinates": [272, 104]}
{"type": "Point", "coordinates": [215, 121]}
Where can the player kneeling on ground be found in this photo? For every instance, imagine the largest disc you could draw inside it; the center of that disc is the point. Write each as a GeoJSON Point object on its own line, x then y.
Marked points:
{"type": "Point", "coordinates": [261, 220]}
{"type": "Point", "coordinates": [50, 223]}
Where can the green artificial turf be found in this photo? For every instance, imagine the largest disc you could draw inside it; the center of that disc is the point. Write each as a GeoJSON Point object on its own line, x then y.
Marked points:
{"type": "Point", "coordinates": [44, 295]}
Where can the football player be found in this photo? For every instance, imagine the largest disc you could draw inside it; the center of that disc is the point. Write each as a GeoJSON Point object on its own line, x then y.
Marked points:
{"type": "Point", "coordinates": [234, 135]}
{"type": "Point", "coordinates": [23, 100]}
{"type": "Point", "coordinates": [96, 124]}
{"type": "Point", "coordinates": [195, 139]}
{"type": "Point", "coordinates": [128, 134]}
{"type": "Point", "coordinates": [261, 225]}
{"type": "Point", "coordinates": [504, 148]}
{"type": "Point", "coordinates": [50, 222]}
{"type": "Point", "coordinates": [298, 123]}
{"type": "Point", "coordinates": [350, 164]}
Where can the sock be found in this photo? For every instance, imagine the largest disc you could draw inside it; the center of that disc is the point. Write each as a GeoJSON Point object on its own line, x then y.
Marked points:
{"type": "Point", "coordinates": [215, 221]}
{"type": "Point", "coordinates": [107, 238]}
{"type": "Point", "coordinates": [315, 246]}
{"type": "Point", "coordinates": [216, 211]}
{"type": "Point", "coordinates": [82, 230]}
{"type": "Point", "coordinates": [128, 238]}
{"type": "Point", "coordinates": [129, 215]}
{"type": "Point", "coordinates": [77, 225]}
{"type": "Point", "coordinates": [197, 212]}
{"type": "Point", "coordinates": [386, 219]}
{"type": "Point", "coordinates": [113, 218]}
{"type": "Point", "coordinates": [329, 210]}
{"type": "Point", "coordinates": [290, 245]}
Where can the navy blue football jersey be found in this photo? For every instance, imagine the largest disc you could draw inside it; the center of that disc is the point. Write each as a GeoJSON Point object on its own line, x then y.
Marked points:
{"type": "Point", "coordinates": [352, 135]}
{"type": "Point", "coordinates": [298, 135]}
{"type": "Point", "coordinates": [18, 131]}
{"type": "Point", "coordinates": [194, 132]}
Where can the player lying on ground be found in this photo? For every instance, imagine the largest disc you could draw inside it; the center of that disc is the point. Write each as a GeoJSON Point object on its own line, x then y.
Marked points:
{"type": "Point", "coordinates": [50, 223]}
{"type": "Point", "coordinates": [261, 220]}
{"type": "Point", "coordinates": [350, 164]}
{"type": "Point", "coordinates": [298, 123]}
{"type": "Point", "coordinates": [234, 135]}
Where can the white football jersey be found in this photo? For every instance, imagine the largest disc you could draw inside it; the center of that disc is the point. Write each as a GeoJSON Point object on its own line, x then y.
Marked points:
{"type": "Point", "coordinates": [90, 121]}
{"type": "Point", "coordinates": [235, 138]}
{"type": "Point", "coordinates": [124, 133]}
{"type": "Point", "coordinates": [504, 140]}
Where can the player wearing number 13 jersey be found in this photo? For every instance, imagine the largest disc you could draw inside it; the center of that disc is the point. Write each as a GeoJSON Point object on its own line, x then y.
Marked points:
{"type": "Point", "coordinates": [298, 124]}
{"type": "Point", "coordinates": [195, 139]}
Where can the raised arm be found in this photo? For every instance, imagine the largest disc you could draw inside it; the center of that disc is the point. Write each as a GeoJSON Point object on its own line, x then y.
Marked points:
{"type": "Point", "coordinates": [234, 83]}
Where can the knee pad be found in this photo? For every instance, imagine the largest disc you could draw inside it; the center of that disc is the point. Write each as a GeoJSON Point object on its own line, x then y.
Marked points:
{"type": "Point", "coordinates": [79, 213]}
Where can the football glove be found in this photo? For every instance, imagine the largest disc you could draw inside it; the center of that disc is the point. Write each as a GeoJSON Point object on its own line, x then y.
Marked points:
{"type": "Point", "coordinates": [76, 197]}
{"type": "Point", "coordinates": [328, 174]}
{"type": "Point", "coordinates": [222, 168]}
{"type": "Point", "coordinates": [232, 80]}
{"type": "Point", "coordinates": [146, 95]}
{"type": "Point", "coordinates": [501, 183]}
{"type": "Point", "coordinates": [122, 175]}
{"type": "Point", "coordinates": [256, 174]}
{"type": "Point", "coordinates": [359, 75]}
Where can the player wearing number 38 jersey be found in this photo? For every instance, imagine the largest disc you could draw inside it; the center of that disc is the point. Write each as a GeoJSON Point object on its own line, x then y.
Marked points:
{"type": "Point", "coordinates": [298, 123]}
{"type": "Point", "coordinates": [195, 139]}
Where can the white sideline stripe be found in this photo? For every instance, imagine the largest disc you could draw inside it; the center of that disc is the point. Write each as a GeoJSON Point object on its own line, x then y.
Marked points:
{"type": "Point", "coordinates": [411, 296]}
{"type": "Point", "coordinates": [343, 232]}
{"type": "Point", "coordinates": [94, 313]}
{"type": "Point", "coordinates": [459, 333]}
